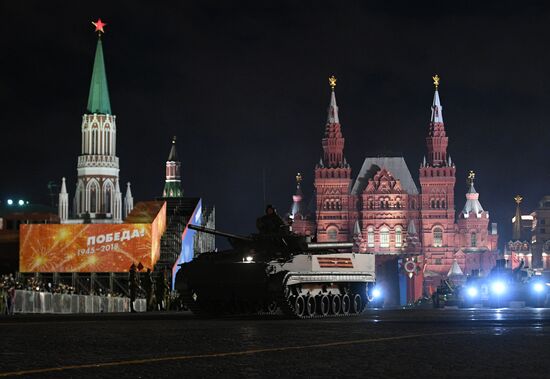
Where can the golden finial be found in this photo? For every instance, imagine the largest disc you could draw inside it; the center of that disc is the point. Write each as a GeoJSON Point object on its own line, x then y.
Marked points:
{"type": "Point", "coordinates": [298, 178]}
{"type": "Point", "coordinates": [518, 199]}
{"type": "Point", "coordinates": [471, 176]}
{"type": "Point", "coordinates": [332, 82]}
{"type": "Point", "coordinates": [436, 79]}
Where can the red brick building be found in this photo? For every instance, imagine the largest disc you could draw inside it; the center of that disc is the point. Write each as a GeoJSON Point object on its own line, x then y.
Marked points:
{"type": "Point", "coordinates": [384, 212]}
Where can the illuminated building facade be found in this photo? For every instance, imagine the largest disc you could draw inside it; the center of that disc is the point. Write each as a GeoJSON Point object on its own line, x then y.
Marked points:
{"type": "Point", "coordinates": [384, 212]}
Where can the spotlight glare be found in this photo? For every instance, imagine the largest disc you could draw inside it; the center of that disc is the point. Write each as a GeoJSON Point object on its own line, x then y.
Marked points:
{"type": "Point", "coordinates": [538, 287]}
{"type": "Point", "coordinates": [472, 291]}
{"type": "Point", "coordinates": [498, 288]}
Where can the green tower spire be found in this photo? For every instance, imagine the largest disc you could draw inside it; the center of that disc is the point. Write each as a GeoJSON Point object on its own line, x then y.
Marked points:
{"type": "Point", "coordinates": [98, 99]}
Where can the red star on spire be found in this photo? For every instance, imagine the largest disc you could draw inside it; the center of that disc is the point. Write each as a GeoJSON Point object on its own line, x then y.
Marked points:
{"type": "Point", "coordinates": [99, 26]}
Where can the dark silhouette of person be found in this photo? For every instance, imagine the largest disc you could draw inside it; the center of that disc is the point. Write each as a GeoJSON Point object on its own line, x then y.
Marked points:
{"type": "Point", "coordinates": [134, 285]}
{"type": "Point", "coordinates": [149, 287]}
{"type": "Point", "coordinates": [161, 289]}
{"type": "Point", "coordinates": [270, 223]}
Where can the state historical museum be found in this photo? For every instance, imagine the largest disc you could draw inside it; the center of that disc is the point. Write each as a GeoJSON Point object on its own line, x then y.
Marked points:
{"type": "Point", "coordinates": [413, 231]}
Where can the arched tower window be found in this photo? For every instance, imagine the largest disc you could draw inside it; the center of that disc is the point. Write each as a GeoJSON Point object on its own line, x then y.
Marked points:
{"type": "Point", "coordinates": [398, 236]}
{"type": "Point", "coordinates": [93, 198]}
{"type": "Point", "coordinates": [438, 237]}
{"type": "Point", "coordinates": [80, 199]}
{"type": "Point", "coordinates": [384, 237]}
{"type": "Point", "coordinates": [370, 236]}
{"type": "Point", "coordinates": [473, 240]}
{"type": "Point", "coordinates": [332, 233]}
{"type": "Point", "coordinates": [108, 197]}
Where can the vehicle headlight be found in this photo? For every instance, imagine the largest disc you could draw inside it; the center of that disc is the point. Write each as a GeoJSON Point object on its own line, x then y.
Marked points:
{"type": "Point", "coordinates": [472, 291]}
{"type": "Point", "coordinates": [498, 288]}
{"type": "Point", "coordinates": [249, 258]}
{"type": "Point", "coordinates": [376, 293]}
{"type": "Point", "coordinates": [538, 287]}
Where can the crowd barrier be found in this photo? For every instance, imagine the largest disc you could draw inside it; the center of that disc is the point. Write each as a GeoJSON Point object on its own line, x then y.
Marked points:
{"type": "Point", "coordinates": [45, 302]}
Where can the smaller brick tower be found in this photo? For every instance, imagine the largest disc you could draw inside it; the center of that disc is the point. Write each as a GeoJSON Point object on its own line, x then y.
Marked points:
{"type": "Point", "coordinates": [332, 181]}
{"type": "Point", "coordinates": [172, 184]}
{"type": "Point", "coordinates": [478, 246]}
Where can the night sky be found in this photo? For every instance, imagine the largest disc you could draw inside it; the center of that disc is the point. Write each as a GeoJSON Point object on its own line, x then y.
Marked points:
{"type": "Point", "coordinates": [244, 87]}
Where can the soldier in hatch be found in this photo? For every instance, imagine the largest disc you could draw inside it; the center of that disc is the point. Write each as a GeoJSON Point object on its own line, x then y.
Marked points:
{"type": "Point", "coordinates": [270, 223]}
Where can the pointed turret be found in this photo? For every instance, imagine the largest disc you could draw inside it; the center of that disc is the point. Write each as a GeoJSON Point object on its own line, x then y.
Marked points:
{"type": "Point", "coordinates": [516, 233]}
{"type": "Point", "coordinates": [172, 184]}
{"type": "Point", "coordinates": [333, 109]}
{"type": "Point", "coordinates": [117, 214]}
{"type": "Point", "coordinates": [63, 202]}
{"type": "Point", "coordinates": [98, 98]}
{"type": "Point", "coordinates": [128, 201]}
{"type": "Point", "coordinates": [437, 109]}
{"type": "Point", "coordinates": [473, 206]}
{"type": "Point", "coordinates": [297, 206]}
{"type": "Point", "coordinates": [455, 270]}
{"type": "Point", "coordinates": [437, 140]}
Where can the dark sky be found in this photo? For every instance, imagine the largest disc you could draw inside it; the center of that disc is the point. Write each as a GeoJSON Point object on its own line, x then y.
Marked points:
{"type": "Point", "coordinates": [244, 87]}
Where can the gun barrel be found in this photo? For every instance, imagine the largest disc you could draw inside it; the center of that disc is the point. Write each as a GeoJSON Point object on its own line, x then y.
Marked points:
{"type": "Point", "coordinates": [202, 229]}
{"type": "Point", "coordinates": [329, 245]}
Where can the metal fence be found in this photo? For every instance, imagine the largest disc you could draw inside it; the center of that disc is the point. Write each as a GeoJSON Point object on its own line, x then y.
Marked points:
{"type": "Point", "coordinates": [45, 302]}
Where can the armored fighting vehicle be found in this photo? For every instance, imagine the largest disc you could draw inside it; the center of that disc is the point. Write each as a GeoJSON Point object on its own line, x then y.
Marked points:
{"type": "Point", "coordinates": [267, 272]}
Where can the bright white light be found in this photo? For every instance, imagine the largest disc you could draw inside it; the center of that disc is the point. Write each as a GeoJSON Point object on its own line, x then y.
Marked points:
{"type": "Point", "coordinates": [472, 291]}
{"type": "Point", "coordinates": [498, 288]}
{"type": "Point", "coordinates": [538, 287]}
{"type": "Point", "coordinates": [21, 202]}
{"type": "Point", "coordinates": [376, 293]}
{"type": "Point", "coordinates": [249, 259]}
{"type": "Point", "coordinates": [10, 202]}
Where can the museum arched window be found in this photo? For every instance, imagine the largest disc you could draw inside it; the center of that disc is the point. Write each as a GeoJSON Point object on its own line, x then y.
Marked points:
{"type": "Point", "coordinates": [473, 240]}
{"type": "Point", "coordinates": [332, 233]}
{"type": "Point", "coordinates": [370, 236]}
{"type": "Point", "coordinates": [438, 237]}
{"type": "Point", "coordinates": [398, 236]}
{"type": "Point", "coordinates": [384, 237]}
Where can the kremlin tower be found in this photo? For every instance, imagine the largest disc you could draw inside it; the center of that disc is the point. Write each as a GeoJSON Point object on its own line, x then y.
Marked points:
{"type": "Point", "coordinates": [437, 182]}
{"type": "Point", "coordinates": [98, 198]}
{"type": "Point", "coordinates": [172, 184]}
{"type": "Point", "coordinates": [332, 180]}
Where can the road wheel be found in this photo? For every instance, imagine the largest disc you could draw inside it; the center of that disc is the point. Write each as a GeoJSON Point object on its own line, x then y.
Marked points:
{"type": "Point", "coordinates": [336, 304]}
{"type": "Point", "coordinates": [311, 305]}
{"type": "Point", "coordinates": [324, 305]}
{"type": "Point", "coordinates": [346, 304]}
{"type": "Point", "coordinates": [357, 304]}
{"type": "Point", "coordinates": [300, 306]}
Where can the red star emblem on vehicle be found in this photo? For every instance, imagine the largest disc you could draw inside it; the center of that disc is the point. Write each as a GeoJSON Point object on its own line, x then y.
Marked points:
{"type": "Point", "coordinates": [99, 26]}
